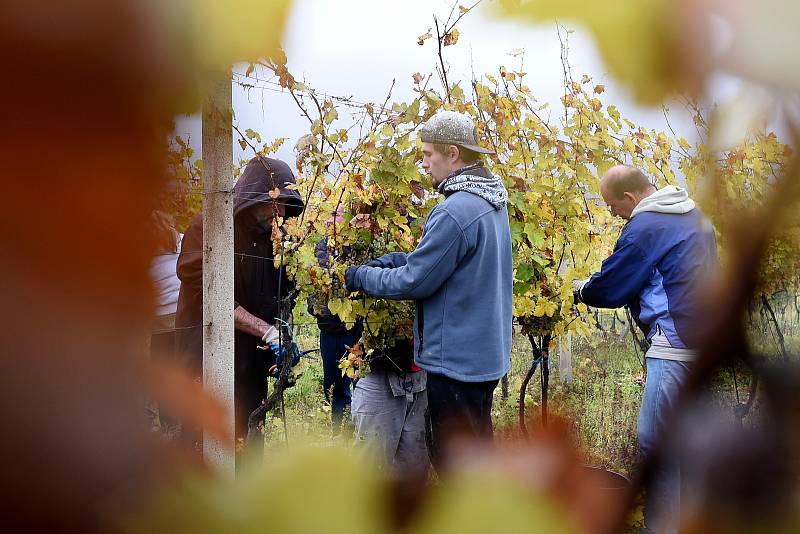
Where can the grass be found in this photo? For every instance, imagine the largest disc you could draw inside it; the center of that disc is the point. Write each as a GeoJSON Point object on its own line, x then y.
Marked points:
{"type": "Point", "coordinates": [600, 406]}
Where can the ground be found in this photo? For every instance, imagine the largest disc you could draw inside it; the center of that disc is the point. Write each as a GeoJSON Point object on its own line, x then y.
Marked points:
{"type": "Point", "coordinates": [601, 405]}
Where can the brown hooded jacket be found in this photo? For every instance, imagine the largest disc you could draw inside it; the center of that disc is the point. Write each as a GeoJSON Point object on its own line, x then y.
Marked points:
{"type": "Point", "coordinates": [256, 281]}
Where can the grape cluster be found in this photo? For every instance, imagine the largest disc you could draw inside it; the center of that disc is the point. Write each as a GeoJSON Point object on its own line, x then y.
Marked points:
{"type": "Point", "coordinates": [538, 326]}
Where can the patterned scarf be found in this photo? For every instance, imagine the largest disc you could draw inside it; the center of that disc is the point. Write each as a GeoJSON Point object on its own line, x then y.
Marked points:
{"type": "Point", "coordinates": [476, 179]}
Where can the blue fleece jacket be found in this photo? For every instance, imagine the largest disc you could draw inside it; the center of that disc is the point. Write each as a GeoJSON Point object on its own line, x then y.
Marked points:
{"type": "Point", "coordinates": [657, 268]}
{"type": "Point", "coordinates": [461, 277]}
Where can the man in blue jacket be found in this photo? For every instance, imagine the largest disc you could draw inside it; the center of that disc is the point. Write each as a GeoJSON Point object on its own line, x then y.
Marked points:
{"type": "Point", "coordinates": [662, 258]}
{"type": "Point", "coordinates": [460, 275]}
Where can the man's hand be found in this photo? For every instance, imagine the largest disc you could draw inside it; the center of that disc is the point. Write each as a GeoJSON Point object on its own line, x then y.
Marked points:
{"type": "Point", "coordinates": [350, 278]}
{"type": "Point", "coordinates": [245, 321]}
{"type": "Point", "coordinates": [577, 286]}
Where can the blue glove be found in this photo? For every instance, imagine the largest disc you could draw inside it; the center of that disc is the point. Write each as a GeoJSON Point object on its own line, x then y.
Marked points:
{"type": "Point", "coordinates": [350, 278]}
{"type": "Point", "coordinates": [280, 354]}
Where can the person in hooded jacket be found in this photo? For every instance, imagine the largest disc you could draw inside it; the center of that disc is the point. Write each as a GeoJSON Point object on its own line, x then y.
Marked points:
{"type": "Point", "coordinates": [260, 290]}
{"type": "Point", "coordinates": [334, 338]}
{"type": "Point", "coordinates": [664, 255]}
{"type": "Point", "coordinates": [460, 276]}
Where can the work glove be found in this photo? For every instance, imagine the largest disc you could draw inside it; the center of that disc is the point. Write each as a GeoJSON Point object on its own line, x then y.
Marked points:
{"type": "Point", "coordinates": [270, 339]}
{"type": "Point", "coordinates": [270, 336]}
{"type": "Point", "coordinates": [280, 353]}
{"type": "Point", "coordinates": [577, 287]}
{"type": "Point", "coordinates": [350, 278]}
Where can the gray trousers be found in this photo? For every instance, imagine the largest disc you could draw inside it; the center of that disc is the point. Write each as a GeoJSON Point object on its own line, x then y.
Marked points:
{"type": "Point", "coordinates": [388, 411]}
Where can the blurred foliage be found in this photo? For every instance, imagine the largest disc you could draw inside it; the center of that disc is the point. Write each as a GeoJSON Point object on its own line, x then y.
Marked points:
{"type": "Point", "coordinates": [730, 183]}
{"type": "Point", "coordinates": [484, 501]}
{"type": "Point", "coordinates": [277, 497]}
{"type": "Point", "coordinates": [643, 42]}
{"type": "Point", "coordinates": [204, 37]}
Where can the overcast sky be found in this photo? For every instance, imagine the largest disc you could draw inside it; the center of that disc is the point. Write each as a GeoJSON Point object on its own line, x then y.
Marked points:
{"type": "Point", "coordinates": [355, 48]}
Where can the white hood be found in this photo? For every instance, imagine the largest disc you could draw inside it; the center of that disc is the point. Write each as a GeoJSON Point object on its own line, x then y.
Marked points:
{"type": "Point", "coordinates": [670, 199]}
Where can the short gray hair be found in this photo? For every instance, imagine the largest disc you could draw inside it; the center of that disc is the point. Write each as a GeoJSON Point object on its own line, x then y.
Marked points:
{"type": "Point", "coordinates": [627, 179]}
